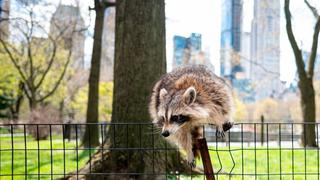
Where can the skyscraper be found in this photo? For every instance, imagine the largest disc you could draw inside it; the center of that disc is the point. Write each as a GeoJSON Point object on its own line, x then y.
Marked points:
{"type": "Point", "coordinates": [245, 53]}
{"type": "Point", "coordinates": [265, 48]}
{"type": "Point", "coordinates": [68, 23]}
{"type": "Point", "coordinates": [185, 49]}
{"type": "Point", "coordinates": [4, 15]}
{"type": "Point", "coordinates": [231, 25]}
{"type": "Point", "coordinates": [188, 50]}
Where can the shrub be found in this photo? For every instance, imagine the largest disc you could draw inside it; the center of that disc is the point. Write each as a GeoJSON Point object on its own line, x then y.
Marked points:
{"type": "Point", "coordinates": [44, 116]}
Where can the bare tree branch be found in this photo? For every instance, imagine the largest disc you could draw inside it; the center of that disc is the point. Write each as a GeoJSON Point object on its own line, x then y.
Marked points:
{"type": "Point", "coordinates": [313, 9]}
{"type": "Point", "coordinates": [293, 42]}
{"type": "Point", "coordinates": [32, 73]}
{"type": "Point", "coordinates": [313, 55]}
{"type": "Point", "coordinates": [13, 60]}
{"type": "Point", "coordinates": [52, 58]}
{"type": "Point", "coordinates": [29, 47]}
{"type": "Point", "coordinates": [59, 80]}
{"type": "Point", "coordinates": [263, 68]}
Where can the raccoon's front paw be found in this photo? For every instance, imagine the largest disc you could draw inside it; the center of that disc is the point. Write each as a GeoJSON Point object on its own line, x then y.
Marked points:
{"type": "Point", "coordinates": [220, 133]}
{"type": "Point", "coordinates": [192, 163]}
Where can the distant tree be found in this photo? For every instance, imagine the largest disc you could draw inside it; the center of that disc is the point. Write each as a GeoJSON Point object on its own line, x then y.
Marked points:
{"type": "Point", "coordinates": [317, 90]}
{"type": "Point", "coordinates": [241, 111]}
{"type": "Point", "coordinates": [91, 135]}
{"type": "Point", "coordinates": [5, 104]}
{"type": "Point", "coordinates": [40, 62]}
{"type": "Point", "coordinates": [305, 73]}
{"type": "Point", "coordinates": [11, 89]}
{"type": "Point", "coordinates": [79, 103]}
{"type": "Point", "coordinates": [267, 107]}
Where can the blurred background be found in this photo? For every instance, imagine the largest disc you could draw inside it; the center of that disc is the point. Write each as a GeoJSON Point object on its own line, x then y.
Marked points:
{"type": "Point", "coordinates": [61, 82]}
{"type": "Point", "coordinates": [46, 53]}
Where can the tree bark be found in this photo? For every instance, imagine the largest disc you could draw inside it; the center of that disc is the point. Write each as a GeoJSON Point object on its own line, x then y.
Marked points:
{"type": "Point", "coordinates": [140, 60]}
{"type": "Point", "coordinates": [308, 112]}
{"type": "Point", "coordinates": [91, 136]}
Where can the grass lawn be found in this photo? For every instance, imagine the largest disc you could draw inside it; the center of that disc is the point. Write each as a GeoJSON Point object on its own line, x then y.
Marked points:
{"type": "Point", "coordinates": [304, 163]}
{"type": "Point", "coordinates": [47, 161]}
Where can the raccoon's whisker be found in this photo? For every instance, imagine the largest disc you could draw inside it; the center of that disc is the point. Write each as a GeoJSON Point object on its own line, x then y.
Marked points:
{"type": "Point", "coordinates": [154, 133]}
{"type": "Point", "coordinates": [155, 130]}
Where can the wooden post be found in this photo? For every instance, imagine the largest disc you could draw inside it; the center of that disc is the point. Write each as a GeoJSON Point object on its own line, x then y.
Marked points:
{"type": "Point", "coordinates": [262, 130]}
{"type": "Point", "coordinates": [205, 156]}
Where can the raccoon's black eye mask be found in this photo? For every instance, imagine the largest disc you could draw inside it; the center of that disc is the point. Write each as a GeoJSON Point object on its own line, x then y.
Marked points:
{"type": "Point", "coordinates": [179, 119]}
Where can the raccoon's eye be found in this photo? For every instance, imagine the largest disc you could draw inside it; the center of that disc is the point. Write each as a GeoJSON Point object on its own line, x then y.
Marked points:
{"type": "Point", "coordinates": [183, 118]}
{"type": "Point", "coordinates": [179, 119]}
{"type": "Point", "coordinates": [174, 118]}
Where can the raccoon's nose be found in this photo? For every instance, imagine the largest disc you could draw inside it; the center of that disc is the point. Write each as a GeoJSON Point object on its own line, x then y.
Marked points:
{"type": "Point", "coordinates": [226, 126]}
{"type": "Point", "coordinates": [165, 133]}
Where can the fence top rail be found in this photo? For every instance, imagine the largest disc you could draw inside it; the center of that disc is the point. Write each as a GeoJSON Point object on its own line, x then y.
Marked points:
{"type": "Point", "coordinates": [150, 123]}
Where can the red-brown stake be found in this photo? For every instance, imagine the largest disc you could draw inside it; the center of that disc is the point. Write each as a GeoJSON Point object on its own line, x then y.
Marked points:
{"type": "Point", "coordinates": [203, 147]}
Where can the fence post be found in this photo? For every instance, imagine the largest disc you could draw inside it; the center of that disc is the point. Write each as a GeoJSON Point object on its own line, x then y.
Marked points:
{"type": "Point", "coordinates": [262, 130]}
{"type": "Point", "coordinates": [205, 156]}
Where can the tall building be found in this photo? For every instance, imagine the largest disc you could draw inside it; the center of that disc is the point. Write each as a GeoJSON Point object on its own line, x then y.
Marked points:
{"type": "Point", "coordinates": [108, 37]}
{"type": "Point", "coordinates": [68, 23]}
{"type": "Point", "coordinates": [4, 15]}
{"type": "Point", "coordinates": [246, 53]}
{"type": "Point", "coordinates": [231, 26]}
{"type": "Point", "coordinates": [265, 48]}
{"type": "Point", "coordinates": [188, 50]}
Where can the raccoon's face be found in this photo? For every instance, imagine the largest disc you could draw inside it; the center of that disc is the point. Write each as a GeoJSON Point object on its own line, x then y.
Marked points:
{"type": "Point", "coordinates": [176, 110]}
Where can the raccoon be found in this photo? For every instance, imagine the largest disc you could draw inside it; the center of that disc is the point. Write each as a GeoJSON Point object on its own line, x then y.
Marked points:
{"type": "Point", "coordinates": [184, 100]}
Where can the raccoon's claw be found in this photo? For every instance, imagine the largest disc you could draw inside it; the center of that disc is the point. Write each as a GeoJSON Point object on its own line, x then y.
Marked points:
{"type": "Point", "coordinates": [220, 134]}
{"type": "Point", "coordinates": [192, 163]}
{"type": "Point", "coordinates": [226, 126]}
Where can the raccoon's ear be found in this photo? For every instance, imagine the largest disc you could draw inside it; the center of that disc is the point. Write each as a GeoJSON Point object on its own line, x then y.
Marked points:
{"type": "Point", "coordinates": [162, 93]}
{"type": "Point", "coordinates": [190, 95]}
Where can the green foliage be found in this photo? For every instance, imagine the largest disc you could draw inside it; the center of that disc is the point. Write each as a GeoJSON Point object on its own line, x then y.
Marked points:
{"type": "Point", "coordinates": [9, 78]}
{"type": "Point", "coordinates": [40, 65]}
{"type": "Point", "coordinates": [9, 85]}
{"type": "Point", "coordinates": [41, 59]}
{"type": "Point", "coordinates": [105, 101]}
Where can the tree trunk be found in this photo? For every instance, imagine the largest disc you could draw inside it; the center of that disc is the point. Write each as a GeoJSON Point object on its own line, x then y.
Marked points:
{"type": "Point", "coordinates": [32, 103]}
{"type": "Point", "coordinates": [308, 112]}
{"type": "Point", "coordinates": [139, 62]}
{"type": "Point", "coordinates": [307, 97]}
{"type": "Point", "coordinates": [91, 135]}
{"type": "Point", "coordinates": [61, 109]}
{"type": "Point", "coordinates": [15, 108]}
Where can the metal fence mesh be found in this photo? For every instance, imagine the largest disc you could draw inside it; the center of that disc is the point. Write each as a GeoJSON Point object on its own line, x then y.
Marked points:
{"type": "Point", "coordinates": [249, 151]}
